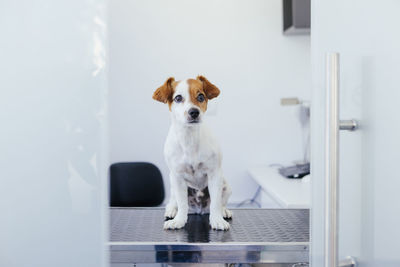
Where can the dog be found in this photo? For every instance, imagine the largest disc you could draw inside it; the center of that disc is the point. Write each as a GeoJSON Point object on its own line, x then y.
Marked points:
{"type": "Point", "coordinates": [193, 155]}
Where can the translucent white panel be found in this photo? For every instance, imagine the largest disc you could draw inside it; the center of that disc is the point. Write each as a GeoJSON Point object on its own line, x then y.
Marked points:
{"type": "Point", "coordinates": [52, 139]}
{"type": "Point", "coordinates": [365, 35]}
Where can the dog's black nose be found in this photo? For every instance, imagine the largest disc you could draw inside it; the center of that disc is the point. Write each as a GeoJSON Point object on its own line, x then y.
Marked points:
{"type": "Point", "coordinates": [194, 113]}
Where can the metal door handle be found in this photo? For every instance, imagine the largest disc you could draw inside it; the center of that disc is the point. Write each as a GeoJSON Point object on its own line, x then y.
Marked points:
{"type": "Point", "coordinates": [333, 125]}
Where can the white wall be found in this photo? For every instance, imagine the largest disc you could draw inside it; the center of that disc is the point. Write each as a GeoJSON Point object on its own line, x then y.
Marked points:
{"type": "Point", "coordinates": [239, 46]}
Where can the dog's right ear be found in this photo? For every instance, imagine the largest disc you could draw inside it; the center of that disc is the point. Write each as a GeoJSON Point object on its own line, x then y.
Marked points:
{"type": "Point", "coordinates": [210, 89]}
{"type": "Point", "coordinates": [164, 93]}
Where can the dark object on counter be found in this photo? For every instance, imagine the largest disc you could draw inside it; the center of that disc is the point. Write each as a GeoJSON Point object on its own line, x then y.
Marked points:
{"type": "Point", "coordinates": [296, 171]}
{"type": "Point", "coordinates": [135, 184]}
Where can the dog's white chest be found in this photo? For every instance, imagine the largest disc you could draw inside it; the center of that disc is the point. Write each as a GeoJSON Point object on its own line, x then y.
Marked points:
{"type": "Point", "coordinates": [194, 173]}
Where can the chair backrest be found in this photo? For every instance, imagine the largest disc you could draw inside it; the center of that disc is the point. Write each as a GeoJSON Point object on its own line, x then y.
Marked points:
{"type": "Point", "coordinates": [135, 184]}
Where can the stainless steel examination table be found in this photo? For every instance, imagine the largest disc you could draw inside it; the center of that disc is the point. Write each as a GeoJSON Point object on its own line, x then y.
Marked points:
{"type": "Point", "coordinates": [255, 236]}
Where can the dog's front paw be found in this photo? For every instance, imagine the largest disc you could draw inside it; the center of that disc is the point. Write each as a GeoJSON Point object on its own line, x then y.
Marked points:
{"type": "Point", "coordinates": [176, 223]}
{"type": "Point", "coordinates": [227, 214]}
{"type": "Point", "coordinates": [218, 223]}
{"type": "Point", "coordinates": [170, 212]}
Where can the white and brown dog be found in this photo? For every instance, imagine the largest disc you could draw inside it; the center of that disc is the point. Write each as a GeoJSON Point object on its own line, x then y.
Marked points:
{"type": "Point", "coordinates": [193, 155]}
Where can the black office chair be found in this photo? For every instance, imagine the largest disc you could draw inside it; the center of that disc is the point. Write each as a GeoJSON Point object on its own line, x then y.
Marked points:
{"type": "Point", "coordinates": [135, 184]}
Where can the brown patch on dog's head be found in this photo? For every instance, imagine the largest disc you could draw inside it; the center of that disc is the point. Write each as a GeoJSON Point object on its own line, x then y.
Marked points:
{"type": "Point", "coordinates": [195, 90]}
{"type": "Point", "coordinates": [201, 86]}
{"type": "Point", "coordinates": [165, 92]}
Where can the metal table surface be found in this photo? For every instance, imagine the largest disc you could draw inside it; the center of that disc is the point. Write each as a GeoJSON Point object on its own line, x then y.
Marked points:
{"type": "Point", "coordinates": [255, 236]}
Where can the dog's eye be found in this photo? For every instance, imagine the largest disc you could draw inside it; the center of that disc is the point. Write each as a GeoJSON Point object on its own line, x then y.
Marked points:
{"type": "Point", "coordinates": [200, 98]}
{"type": "Point", "coordinates": [178, 98]}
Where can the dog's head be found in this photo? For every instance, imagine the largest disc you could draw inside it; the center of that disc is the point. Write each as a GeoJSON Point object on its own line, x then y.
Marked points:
{"type": "Point", "coordinates": [187, 99]}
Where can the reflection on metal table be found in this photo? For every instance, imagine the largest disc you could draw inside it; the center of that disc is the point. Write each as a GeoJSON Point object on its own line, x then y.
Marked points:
{"type": "Point", "coordinates": [255, 236]}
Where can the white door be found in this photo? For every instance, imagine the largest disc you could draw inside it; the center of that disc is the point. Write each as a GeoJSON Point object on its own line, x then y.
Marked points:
{"type": "Point", "coordinates": [52, 133]}
{"type": "Point", "coordinates": [366, 34]}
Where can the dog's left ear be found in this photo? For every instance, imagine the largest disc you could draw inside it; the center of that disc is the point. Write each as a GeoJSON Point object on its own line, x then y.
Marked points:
{"type": "Point", "coordinates": [165, 91]}
{"type": "Point", "coordinates": [210, 89]}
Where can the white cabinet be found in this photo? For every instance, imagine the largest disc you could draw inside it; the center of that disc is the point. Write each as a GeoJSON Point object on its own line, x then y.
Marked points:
{"type": "Point", "coordinates": [284, 192]}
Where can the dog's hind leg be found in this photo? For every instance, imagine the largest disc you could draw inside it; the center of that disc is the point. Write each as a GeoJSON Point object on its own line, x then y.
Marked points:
{"type": "Point", "coordinates": [226, 193]}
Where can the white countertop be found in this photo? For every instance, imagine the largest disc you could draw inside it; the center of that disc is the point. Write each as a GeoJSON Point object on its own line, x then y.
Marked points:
{"type": "Point", "coordinates": [288, 193]}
